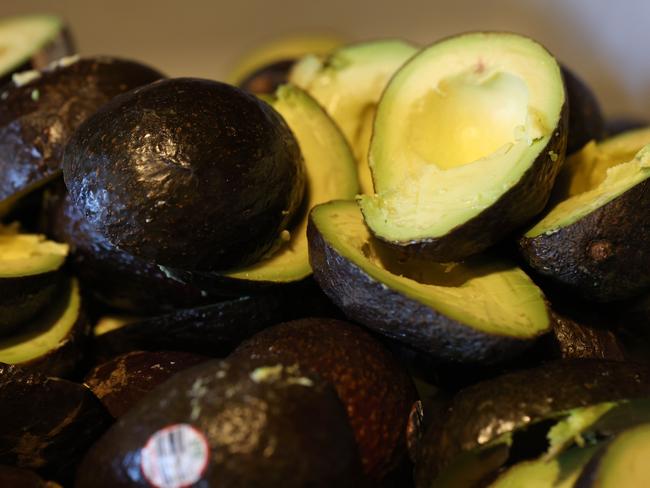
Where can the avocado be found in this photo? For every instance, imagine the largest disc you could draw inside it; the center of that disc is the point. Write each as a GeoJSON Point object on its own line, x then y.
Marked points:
{"type": "Point", "coordinates": [480, 311]}
{"type": "Point", "coordinates": [622, 463]}
{"type": "Point", "coordinates": [486, 415]}
{"type": "Point", "coordinates": [229, 423]}
{"type": "Point", "coordinates": [13, 477]}
{"type": "Point", "coordinates": [31, 42]}
{"type": "Point", "coordinates": [30, 271]}
{"type": "Point", "coordinates": [54, 341]}
{"type": "Point", "coordinates": [52, 421]}
{"type": "Point", "coordinates": [467, 141]}
{"type": "Point", "coordinates": [122, 381]}
{"type": "Point", "coordinates": [619, 125]}
{"type": "Point", "coordinates": [376, 391]}
{"type": "Point", "coordinates": [586, 121]}
{"type": "Point", "coordinates": [348, 83]}
{"type": "Point", "coordinates": [41, 109]}
{"type": "Point", "coordinates": [267, 67]}
{"type": "Point", "coordinates": [187, 173]}
{"type": "Point", "coordinates": [594, 239]}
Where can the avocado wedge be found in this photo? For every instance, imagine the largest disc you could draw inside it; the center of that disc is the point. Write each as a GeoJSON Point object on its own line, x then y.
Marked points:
{"type": "Point", "coordinates": [29, 274]}
{"type": "Point", "coordinates": [480, 311]}
{"type": "Point", "coordinates": [594, 239]}
{"type": "Point", "coordinates": [467, 141]}
{"type": "Point", "coordinates": [348, 84]}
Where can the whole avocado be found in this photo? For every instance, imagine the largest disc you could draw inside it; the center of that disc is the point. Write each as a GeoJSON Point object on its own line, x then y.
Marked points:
{"type": "Point", "coordinates": [187, 173]}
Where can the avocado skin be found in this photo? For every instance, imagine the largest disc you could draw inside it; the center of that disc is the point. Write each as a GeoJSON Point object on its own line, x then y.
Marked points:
{"type": "Point", "coordinates": [392, 314]}
{"type": "Point", "coordinates": [23, 298]}
{"type": "Point", "coordinates": [113, 276]}
{"type": "Point", "coordinates": [187, 173]}
{"type": "Point", "coordinates": [619, 125]}
{"type": "Point", "coordinates": [52, 421]}
{"type": "Point", "coordinates": [604, 256]}
{"type": "Point", "coordinates": [586, 121]}
{"type": "Point", "coordinates": [307, 426]}
{"type": "Point", "coordinates": [514, 208]}
{"type": "Point", "coordinates": [12, 477]}
{"type": "Point", "coordinates": [265, 80]}
{"type": "Point", "coordinates": [376, 390]}
{"type": "Point", "coordinates": [33, 133]}
{"type": "Point", "coordinates": [517, 399]}
{"type": "Point", "coordinates": [122, 381]}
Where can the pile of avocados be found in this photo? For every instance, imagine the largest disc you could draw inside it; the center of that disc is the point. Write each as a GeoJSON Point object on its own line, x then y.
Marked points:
{"type": "Point", "coordinates": [374, 264]}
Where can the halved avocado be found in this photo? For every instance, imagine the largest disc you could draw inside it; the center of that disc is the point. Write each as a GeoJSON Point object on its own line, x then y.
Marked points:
{"type": "Point", "coordinates": [52, 342]}
{"type": "Point", "coordinates": [31, 42]}
{"type": "Point", "coordinates": [595, 239]}
{"type": "Point", "coordinates": [348, 84]}
{"type": "Point", "coordinates": [468, 138]}
{"type": "Point", "coordinates": [483, 310]}
{"type": "Point", "coordinates": [29, 274]}
{"type": "Point", "coordinates": [586, 121]}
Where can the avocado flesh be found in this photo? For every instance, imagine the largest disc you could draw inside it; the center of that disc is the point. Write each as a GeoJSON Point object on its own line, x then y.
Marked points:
{"type": "Point", "coordinates": [331, 174]}
{"type": "Point", "coordinates": [47, 332]}
{"type": "Point", "coordinates": [594, 177]}
{"type": "Point", "coordinates": [625, 462]}
{"type": "Point", "coordinates": [29, 254]}
{"type": "Point", "coordinates": [457, 127]}
{"type": "Point", "coordinates": [348, 85]}
{"type": "Point", "coordinates": [487, 295]}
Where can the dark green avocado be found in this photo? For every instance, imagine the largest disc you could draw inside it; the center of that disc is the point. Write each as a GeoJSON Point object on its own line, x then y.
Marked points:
{"type": "Point", "coordinates": [484, 310]}
{"type": "Point", "coordinates": [586, 121]}
{"type": "Point", "coordinates": [230, 423]}
{"type": "Point", "coordinates": [121, 382]}
{"type": "Point", "coordinates": [41, 109]}
{"type": "Point", "coordinates": [376, 390]}
{"type": "Point", "coordinates": [467, 141]}
{"type": "Point", "coordinates": [187, 173]}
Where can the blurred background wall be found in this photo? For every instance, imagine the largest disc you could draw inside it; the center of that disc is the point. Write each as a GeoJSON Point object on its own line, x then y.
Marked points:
{"type": "Point", "coordinates": [602, 41]}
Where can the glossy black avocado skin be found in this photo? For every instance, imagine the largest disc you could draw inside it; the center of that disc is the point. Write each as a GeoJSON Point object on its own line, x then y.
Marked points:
{"type": "Point", "coordinates": [187, 173]}
{"type": "Point", "coordinates": [38, 117]}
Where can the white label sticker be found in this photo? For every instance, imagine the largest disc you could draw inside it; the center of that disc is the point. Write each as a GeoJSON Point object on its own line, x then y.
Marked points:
{"type": "Point", "coordinates": [175, 457]}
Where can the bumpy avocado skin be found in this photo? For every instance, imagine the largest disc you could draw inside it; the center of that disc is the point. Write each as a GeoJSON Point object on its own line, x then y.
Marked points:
{"type": "Point", "coordinates": [187, 173]}
{"type": "Point", "coordinates": [283, 429]}
{"type": "Point", "coordinates": [514, 208]}
{"type": "Point", "coordinates": [480, 413]}
{"type": "Point", "coordinates": [604, 256]}
{"type": "Point", "coordinates": [572, 340]}
{"type": "Point", "coordinates": [38, 117]}
{"type": "Point", "coordinates": [586, 121]}
{"type": "Point", "coordinates": [376, 391]}
{"type": "Point", "coordinates": [390, 313]}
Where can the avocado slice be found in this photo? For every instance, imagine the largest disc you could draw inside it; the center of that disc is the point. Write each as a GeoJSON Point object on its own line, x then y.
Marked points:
{"type": "Point", "coordinates": [594, 239]}
{"type": "Point", "coordinates": [484, 310]}
{"type": "Point", "coordinates": [242, 422]}
{"type": "Point", "coordinates": [348, 84]}
{"type": "Point", "coordinates": [31, 42]}
{"type": "Point", "coordinates": [29, 274]}
{"type": "Point", "coordinates": [376, 391]}
{"type": "Point", "coordinates": [467, 141]}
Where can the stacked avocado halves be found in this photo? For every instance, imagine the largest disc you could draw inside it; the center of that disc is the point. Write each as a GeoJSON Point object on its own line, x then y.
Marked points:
{"type": "Point", "coordinates": [457, 203]}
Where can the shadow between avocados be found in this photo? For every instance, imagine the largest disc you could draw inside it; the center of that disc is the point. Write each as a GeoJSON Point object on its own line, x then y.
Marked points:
{"type": "Point", "coordinates": [481, 311]}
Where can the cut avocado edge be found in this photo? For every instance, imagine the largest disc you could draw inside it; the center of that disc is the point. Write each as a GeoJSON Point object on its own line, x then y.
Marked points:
{"type": "Point", "coordinates": [488, 296]}
{"type": "Point", "coordinates": [331, 174]}
{"type": "Point", "coordinates": [423, 165]}
{"type": "Point", "coordinates": [29, 254]}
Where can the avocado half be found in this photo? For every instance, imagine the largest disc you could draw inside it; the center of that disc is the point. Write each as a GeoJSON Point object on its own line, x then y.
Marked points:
{"type": "Point", "coordinates": [467, 141]}
{"type": "Point", "coordinates": [30, 271]}
{"type": "Point", "coordinates": [586, 121]}
{"type": "Point", "coordinates": [484, 310]}
{"type": "Point", "coordinates": [348, 84]}
{"type": "Point", "coordinates": [595, 239]}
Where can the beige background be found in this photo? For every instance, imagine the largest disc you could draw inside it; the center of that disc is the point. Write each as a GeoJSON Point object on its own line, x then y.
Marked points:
{"type": "Point", "coordinates": [605, 42]}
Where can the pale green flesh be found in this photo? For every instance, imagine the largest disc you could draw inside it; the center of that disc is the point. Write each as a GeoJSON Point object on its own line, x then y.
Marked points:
{"type": "Point", "coordinates": [348, 84]}
{"type": "Point", "coordinates": [21, 37]}
{"type": "Point", "coordinates": [457, 127]}
{"type": "Point", "coordinates": [560, 472]}
{"type": "Point", "coordinates": [331, 174]}
{"type": "Point", "coordinates": [29, 254]}
{"type": "Point", "coordinates": [626, 463]}
{"type": "Point", "coordinates": [45, 333]}
{"type": "Point", "coordinates": [491, 296]}
{"type": "Point", "coordinates": [595, 176]}
{"type": "Point", "coordinates": [109, 323]}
